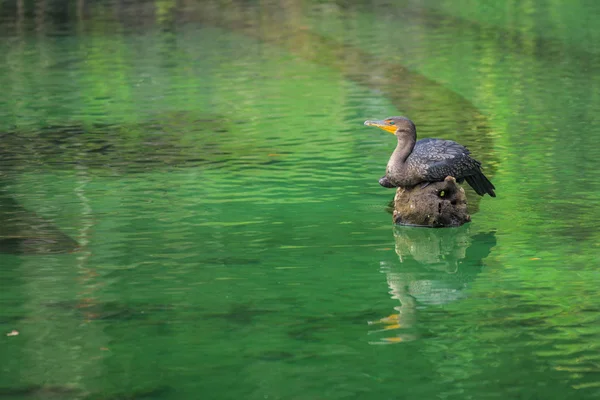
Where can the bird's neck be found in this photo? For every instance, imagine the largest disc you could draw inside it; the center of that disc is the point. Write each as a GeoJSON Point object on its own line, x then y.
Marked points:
{"type": "Point", "coordinates": [403, 149]}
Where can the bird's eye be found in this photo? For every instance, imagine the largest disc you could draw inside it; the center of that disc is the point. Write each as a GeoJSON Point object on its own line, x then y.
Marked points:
{"type": "Point", "coordinates": [391, 123]}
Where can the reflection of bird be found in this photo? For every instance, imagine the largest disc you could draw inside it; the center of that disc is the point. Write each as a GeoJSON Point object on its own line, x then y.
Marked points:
{"type": "Point", "coordinates": [428, 160]}
{"type": "Point", "coordinates": [438, 266]}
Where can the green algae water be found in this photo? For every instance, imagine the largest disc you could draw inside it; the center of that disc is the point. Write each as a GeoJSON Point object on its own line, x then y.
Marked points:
{"type": "Point", "coordinates": [189, 205]}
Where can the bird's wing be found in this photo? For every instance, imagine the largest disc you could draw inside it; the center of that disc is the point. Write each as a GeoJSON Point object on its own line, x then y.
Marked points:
{"type": "Point", "coordinates": [443, 158]}
{"type": "Point", "coordinates": [433, 150]}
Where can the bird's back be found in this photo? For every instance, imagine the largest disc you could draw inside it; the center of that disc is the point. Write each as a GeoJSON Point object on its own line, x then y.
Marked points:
{"type": "Point", "coordinates": [434, 159]}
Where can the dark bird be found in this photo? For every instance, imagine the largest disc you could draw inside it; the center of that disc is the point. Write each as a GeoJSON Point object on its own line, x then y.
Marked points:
{"type": "Point", "coordinates": [428, 160]}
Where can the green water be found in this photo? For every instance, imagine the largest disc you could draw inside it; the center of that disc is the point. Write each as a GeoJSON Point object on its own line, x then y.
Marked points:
{"type": "Point", "coordinates": [189, 206]}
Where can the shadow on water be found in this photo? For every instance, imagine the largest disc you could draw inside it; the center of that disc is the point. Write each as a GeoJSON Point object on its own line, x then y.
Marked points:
{"type": "Point", "coordinates": [543, 48]}
{"type": "Point", "coordinates": [23, 232]}
{"type": "Point", "coordinates": [119, 148]}
{"type": "Point", "coordinates": [437, 267]}
{"type": "Point", "coordinates": [67, 392]}
{"type": "Point", "coordinates": [105, 149]}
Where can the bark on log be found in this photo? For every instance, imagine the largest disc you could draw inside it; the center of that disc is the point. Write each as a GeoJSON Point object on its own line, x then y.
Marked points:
{"type": "Point", "coordinates": [439, 204]}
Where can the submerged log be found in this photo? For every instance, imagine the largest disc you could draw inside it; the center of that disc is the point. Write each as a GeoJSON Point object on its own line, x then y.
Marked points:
{"type": "Point", "coordinates": [439, 204]}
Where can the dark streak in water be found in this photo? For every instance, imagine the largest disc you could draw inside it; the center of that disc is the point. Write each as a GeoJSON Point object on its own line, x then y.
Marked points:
{"type": "Point", "coordinates": [543, 48]}
{"type": "Point", "coordinates": [102, 149]}
{"type": "Point", "coordinates": [156, 144]}
{"type": "Point", "coordinates": [66, 392]}
{"type": "Point", "coordinates": [23, 232]}
{"type": "Point", "coordinates": [112, 310]}
{"type": "Point", "coordinates": [242, 314]}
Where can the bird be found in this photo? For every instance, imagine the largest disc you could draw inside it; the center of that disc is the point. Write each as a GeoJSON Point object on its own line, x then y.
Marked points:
{"type": "Point", "coordinates": [428, 160]}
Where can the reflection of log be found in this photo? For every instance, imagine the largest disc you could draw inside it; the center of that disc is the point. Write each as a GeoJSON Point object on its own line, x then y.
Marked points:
{"type": "Point", "coordinates": [437, 205]}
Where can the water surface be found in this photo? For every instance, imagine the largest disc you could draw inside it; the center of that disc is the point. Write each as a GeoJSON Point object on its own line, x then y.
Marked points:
{"type": "Point", "coordinates": [189, 205]}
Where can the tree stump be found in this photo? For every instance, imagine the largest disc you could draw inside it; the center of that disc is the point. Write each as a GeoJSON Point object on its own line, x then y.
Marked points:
{"type": "Point", "coordinates": [439, 204]}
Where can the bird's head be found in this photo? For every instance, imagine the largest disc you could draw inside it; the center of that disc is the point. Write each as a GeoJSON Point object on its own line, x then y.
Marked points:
{"type": "Point", "coordinates": [394, 125]}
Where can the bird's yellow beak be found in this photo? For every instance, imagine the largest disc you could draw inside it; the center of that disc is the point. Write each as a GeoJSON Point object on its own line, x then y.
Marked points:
{"type": "Point", "coordinates": [382, 124]}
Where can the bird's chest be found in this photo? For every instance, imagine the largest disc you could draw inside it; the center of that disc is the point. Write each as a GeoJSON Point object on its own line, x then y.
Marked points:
{"type": "Point", "coordinates": [404, 175]}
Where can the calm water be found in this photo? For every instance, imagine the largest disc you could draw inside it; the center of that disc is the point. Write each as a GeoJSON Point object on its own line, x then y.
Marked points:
{"type": "Point", "coordinates": [189, 206]}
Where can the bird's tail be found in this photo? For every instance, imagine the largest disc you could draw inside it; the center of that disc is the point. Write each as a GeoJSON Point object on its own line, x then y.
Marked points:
{"type": "Point", "coordinates": [481, 184]}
